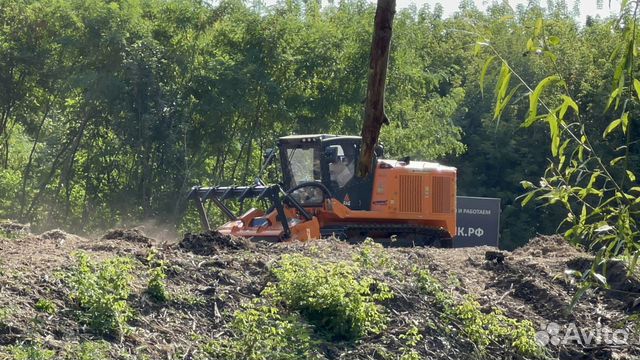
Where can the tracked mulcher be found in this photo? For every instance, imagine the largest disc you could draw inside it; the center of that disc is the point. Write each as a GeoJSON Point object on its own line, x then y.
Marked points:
{"type": "Point", "coordinates": [401, 203]}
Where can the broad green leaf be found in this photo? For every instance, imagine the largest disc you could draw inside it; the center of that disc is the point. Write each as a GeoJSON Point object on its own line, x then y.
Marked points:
{"type": "Point", "coordinates": [636, 86]}
{"type": "Point", "coordinates": [625, 121]}
{"type": "Point", "coordinates": [555, 133]}
{"type": "Point", "coordinates": [604, 228]}
{"type": "Point", "coordinates": [583, 214]}
{"type": "Point", "coordinates": [483, 74]}
{"type": "Point", "coordinates": [631, 175]}
{"type": "Point", "coordinates": [616, 160]}
{"type": "Point", "coordinates": [612, 126]}
{"type": "Point", "coordinates": [527, 185]}
{"type": "Point", "coordinates": [534, 98]}
{"type": "Point", "coordinates": [505, 102]}
{"type": "Point", "coordinates": [568, 102]}
{"type": "Point", "coordinates": [593, 179]}
{"type": "Point", "coordinates": [501, 90]}
{"type": "Point", "coordinates": [614, 95]}
{"type": "Point", "coordinates": [583, 141]}
{"type": "Point", "coordinates": [635, 188]}
{"type": "Point", "coordinates": [554, 40]}
{"type": "Point", "coordinates": [528, 198]}
{"type": "Point", "coordinates": [561, 152]}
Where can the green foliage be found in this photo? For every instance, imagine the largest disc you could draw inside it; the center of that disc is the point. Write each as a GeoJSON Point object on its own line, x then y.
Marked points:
{"type": "Point", "coordinates": [482, 328]}
{"type": "Point", "coordinates": [262, 332]}
{"type": "Point", "coordinates": [5, 313]}
{"type": "Point", "coordinates": [372, 255]}
{"type": "Point", "coordinates": [494, 327]}
{"type": "Point", "coordinates": [591, 173]}
{"type": "Point", "coordinates": [330, 296]}
{"type": "Point", "coordinates": [156, 287]}
{"type": "Point", "coordinates": [411, 339]}
{"type": "Point", "coordinates": [101, 290]}
{"type": "Point", "coordinates": [89, 350]}
{"type": "Point", "coordinates": [46, 306]}
{"type": "Point", "coordinates": [114, 109]}
{"type": "Point", "coordinates": [31, 352]}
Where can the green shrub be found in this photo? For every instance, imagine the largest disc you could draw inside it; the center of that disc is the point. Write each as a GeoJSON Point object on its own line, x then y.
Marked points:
{"type": "Point", "coordinates": [31, 352]}
{"type": "Point", "coordinates": [4, 316]}
{"type": "Point", "coordinates": [483, 329]}
{"type": "Point", "coordinates": [156, 287]}
{"type": "Point", "coordinates": [101, 290]}
{"type": "Point", "coordinates": [330, 296]}
{"type": "Point", "coordinates": [371, 255]}
{"type": "Point", "coordinates": [411, 338]}
{"type": "Point", "coordinates": [494, 327]}
{"type": "Point", "coordinates": [46, 306]}
{"type": "Point", "coordinates": [262, 332]}
{"type": "Point", "coordinates": [89, 350]}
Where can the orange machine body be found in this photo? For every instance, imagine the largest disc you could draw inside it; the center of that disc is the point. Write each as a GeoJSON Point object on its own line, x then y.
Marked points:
{"type": "Point", "coordinates": [416, 194]}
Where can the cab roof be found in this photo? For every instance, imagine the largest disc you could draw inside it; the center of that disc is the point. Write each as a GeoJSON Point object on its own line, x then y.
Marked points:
{"type": "Point", "coordinates": [316, 137]}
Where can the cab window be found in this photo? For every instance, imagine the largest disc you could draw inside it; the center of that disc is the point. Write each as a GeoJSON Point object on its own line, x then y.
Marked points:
{"type": "Point", "coordinates": [304, 165]}
{"type": "Point", "coordinates": [342, 164]}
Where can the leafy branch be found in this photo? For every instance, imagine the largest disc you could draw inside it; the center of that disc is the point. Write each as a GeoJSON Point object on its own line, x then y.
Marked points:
{"type": "Point", "coordinates": [601, 210]}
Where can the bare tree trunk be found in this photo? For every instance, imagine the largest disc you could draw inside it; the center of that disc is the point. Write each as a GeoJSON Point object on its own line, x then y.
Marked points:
{"type": "Point", "coordinates": [374, 116]}
{"type": "Point", "coordinates": [27, 169]}
{"type": "Point", "coordinates": [54, 168]}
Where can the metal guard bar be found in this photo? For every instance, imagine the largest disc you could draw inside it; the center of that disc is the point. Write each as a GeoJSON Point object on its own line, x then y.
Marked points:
{"type": "Point", "coordinates": [217, 194]}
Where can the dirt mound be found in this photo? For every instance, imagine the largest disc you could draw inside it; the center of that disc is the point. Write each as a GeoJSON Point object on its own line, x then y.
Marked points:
{"type": "Point", "coordinates": [544, 245]}
{"type": "Point", "coordinates": [213, 242]}
{"type": "Point", "coordinates": [209, 276]}
{"type": "Point", "coordinates": [130, 235]}
{"type": "Point", "coordinates": [14, 228]}
{"type": "Point", "coordinates": [532, 283]}
{"type": "Point", "coordinates": [56, 234]}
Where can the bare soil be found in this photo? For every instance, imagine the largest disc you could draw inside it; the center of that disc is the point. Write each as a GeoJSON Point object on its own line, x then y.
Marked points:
{"type": "Point", "coordinates": [209, 276]}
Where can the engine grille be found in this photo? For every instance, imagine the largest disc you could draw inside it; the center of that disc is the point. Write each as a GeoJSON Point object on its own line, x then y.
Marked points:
{"type": "Point", "coordinates": [410, 193]}
{"type": "Point", "coordinates": [441, 195]}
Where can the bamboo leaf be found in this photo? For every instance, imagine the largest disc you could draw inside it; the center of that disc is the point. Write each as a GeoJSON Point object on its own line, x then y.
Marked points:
{"type": "Point", "coordinates": [583, 140]}
{"type": "Point", "coordinates": [483, 74]}
{"type": "Point", "coordinates": [555, 133]}
{"type": "Point", "coordinates": [631, 175]}
{"type": "Point", "coordinates": [527, 185]}
{"type": "Point", "coordinates": [614, 95]}
{"type": "Point", "coordinates": [636, 86]}
{"type": "Point", "coordinates": [501, 90]}
{"type": "Point", "coordinates": [583, 214]}
{"type": "Point", "coordinates": [528, 198]}
{"type": "Point", "coordinates": [612, 126]}
{"type": "Point", "coordinates": [505, 102]}
{"type": "Point", "coordinates": [568, 102]}
{"type": "Point", "coordinates": [625, 122]}
{"type": "Point", "coordinates": [616, 160]}
{"type": "Point", "coordinates": [534, 98]}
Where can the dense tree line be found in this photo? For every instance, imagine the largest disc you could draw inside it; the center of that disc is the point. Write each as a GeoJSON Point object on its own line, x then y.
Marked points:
{"type": "Point", "coordinates": [110, 111]}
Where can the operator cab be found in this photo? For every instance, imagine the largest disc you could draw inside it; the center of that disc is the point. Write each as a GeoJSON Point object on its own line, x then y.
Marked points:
{"type": "Point", "coordinates": [329, 160]}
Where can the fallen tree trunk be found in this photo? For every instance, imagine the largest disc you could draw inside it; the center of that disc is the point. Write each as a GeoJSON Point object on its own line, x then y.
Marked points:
{"type": "Point", "coordinates": [374, 116]}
